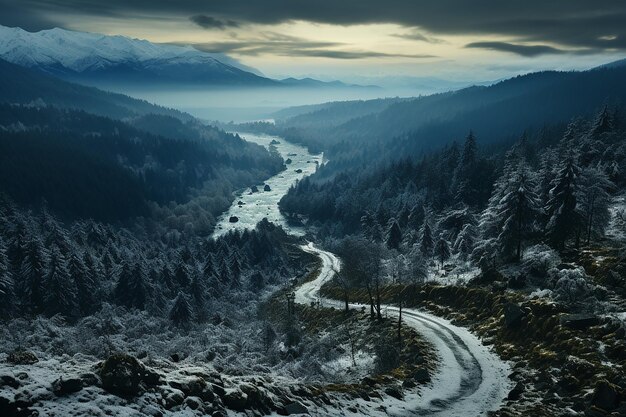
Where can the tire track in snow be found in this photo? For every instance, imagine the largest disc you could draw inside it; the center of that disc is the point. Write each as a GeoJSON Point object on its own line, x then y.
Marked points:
{"type": "Point", "coordinates": [470, 380]}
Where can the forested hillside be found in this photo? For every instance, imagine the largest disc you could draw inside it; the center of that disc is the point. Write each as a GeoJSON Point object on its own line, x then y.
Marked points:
{"type": "Point", "coordinates": [392, 129]}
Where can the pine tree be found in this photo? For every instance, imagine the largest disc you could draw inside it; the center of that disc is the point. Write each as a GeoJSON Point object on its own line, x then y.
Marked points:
{"type": "Point", "coordinates": [132, 289]}
{"type": "Point", "coordinates": [563, 218]}
{"type": "Point", "coordinates": [198, 293]}
{"type": "Point", "coordinates": [426, 241]}
{"type": "Point", "coordinates": [593, 201]}
{"type": "Point", "coordinates": [208, 269]}
{"type": "Point", "coordinates": [181, 312]}
{"type": "Point", "coordinates": [7, 301]}
{"type": "Point", "coordinates": [83, 270]}
{"type": "Point", "coordinates": [394, 235]}
{"type": "Point", "coordinates": [416, 217]}
{"type": "Point", "coordinates": [32, 272]}
{"type": "Point", "coordinates": [182, 274]}
{"type": "Point", "coordinates": [469, 150]}
{"type": "Point", "coordinates": [513, 209]}
{"type": "Point", "coordinates": [59, 295]}
{"type": "Point", "coordinates": [466, 240]}
{"type": "Point", "coordinates": [235, 270]}
{"type": "Point", "coordinates": [442, 250]}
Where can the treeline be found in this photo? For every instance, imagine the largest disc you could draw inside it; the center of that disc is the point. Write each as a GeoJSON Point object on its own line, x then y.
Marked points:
{"type": "Point", "coordinates": [87, 166]}
{"type": "Point", "coordinates": [553, 186]}
{"type": "Point", "coordinates": [47, 267]}
{"type": "Point", "coordinates": [354, 133]}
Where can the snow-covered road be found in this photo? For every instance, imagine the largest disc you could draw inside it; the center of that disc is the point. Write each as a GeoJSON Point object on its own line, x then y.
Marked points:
{"type": "Point", "coordinates": [470, 380]}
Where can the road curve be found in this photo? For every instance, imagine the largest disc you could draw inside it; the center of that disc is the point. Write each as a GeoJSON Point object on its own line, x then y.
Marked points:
{"type": "Point", "coordinates": [470, 379]}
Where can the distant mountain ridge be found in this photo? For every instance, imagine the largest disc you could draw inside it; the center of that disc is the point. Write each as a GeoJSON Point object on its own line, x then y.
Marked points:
{"type": "Point", "coordinates": [26, 86]}
{"type": "Point", "coordinates": [93, 58]}
{"type": "Point", "coordinates": [102, 61]}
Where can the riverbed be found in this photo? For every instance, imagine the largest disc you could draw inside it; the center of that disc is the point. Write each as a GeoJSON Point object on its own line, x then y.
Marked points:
{"type": "Point", "coordinates": [250, 207]}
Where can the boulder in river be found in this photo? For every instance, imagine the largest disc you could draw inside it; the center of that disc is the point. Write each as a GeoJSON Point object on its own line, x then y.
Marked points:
{"type": "Point", "coordinates": [274, 142]}
{"type": "Point", "coordinates": [254, 189]}
{"type": "Point", "coordinates": [267, 188]}
{"type": "Point", "coordinates": [233, 219]}
{"type": "Point", "coordinates": [288, 161]}
{"type": "Point", "coordinates": [298, 171]}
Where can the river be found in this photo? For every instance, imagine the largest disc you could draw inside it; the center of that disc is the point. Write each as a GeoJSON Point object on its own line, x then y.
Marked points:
{"type": "Point", "coordinates": [470, 381]}
{"type": "Point", "coordinates": [251, 207]}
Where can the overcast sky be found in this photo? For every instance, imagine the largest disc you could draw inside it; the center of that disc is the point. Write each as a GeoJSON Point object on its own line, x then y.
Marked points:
{"type": "Point", "coordinates": [456, 39]}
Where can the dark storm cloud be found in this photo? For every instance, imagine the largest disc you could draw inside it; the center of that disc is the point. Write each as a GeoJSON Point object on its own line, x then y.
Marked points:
{"type": "Point", "coordinates": [599, 24]}
{"type": "Point", "coordinates": [285, 45]}
{"type": "Point", "coordinates": [523, 50]}
{"type": "Point", "coordinates": [209, 22]}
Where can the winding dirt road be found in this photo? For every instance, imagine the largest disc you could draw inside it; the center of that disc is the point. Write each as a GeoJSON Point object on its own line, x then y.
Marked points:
{"type": "Point", "coordinates": [470, 379]}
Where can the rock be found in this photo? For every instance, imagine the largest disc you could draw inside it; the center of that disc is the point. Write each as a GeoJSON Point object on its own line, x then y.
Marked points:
{"type": "Point", "coordinates": [235, 400]}
{"type": "Point", "coordinates": [233, 219]}
{"type": "Point", "coordinates": [90, 379]}
{"type": "Point", "coordinates": [421, 376]}
{"type": "Point", "coordinates": [240, 203]}
{"type": "Point", "coordinates": [516, 392]}
{"type": "Point", "coordinates": [369, 381]}
{"type": "Point", "coordinates": [579, 321]}
{"type": "Point", "coordinates": [288, 161]}
{"type": "Point", "coordinates": [172, 397]}
{"type": "Point", "coordinates": [274, 142]}
{"type": "Point", "coordinates": [606, 396]}
{"type": "Point", "coordinates": [7, 407]}
{"type": "Point", "coordinates": [195, 387]}
{"type": "Point", "coordinates": [298, 171]}
{"type": "Point", "coordinates": [513, 315]}
{"type": "Point", "coordinates": [68, 386]}
{"type": "Point", "coordinates": [394, 392]}
{"type": "Point", "coordinates": [254, 189]}
{"type": "Point", "coordinates": [194, 403]}
{"type": "Point", "coordinates": [295, 408]}
{"type": "Point", "coordinates": [22, 357]}
{"type": "Point", "coordinates": [124, 375]}
{"type": "Point", "coordinates": [518, 282]}
{"type": "Point", "coordinates": [267, 188]}
{"type": "Point", "coordinates": [408, 384]}
{"type": "Point", "coordinates": [9, 381]}
{"type": "Point", "coordinates": [175, 357]}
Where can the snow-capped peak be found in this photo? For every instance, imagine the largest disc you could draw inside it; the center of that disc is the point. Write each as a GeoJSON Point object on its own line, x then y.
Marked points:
{"type": "Point", "coordinates": [81, 51]}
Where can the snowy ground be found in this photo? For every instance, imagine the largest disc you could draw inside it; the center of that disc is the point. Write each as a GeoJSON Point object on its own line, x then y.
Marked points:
{"type": "Point", "coordinates": [471, 379]}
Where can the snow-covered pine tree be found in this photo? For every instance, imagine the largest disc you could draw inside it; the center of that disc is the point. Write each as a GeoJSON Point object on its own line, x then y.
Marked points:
{"type": "Point", "coordinates": [7, 300]}
{"type": "Point", "coordinates": [416, 217]}
{"type": "Point", "coordinates": [593, 201]}
{"type": "Point", "coordinates": [393, 238]}
{"type": "Point", "coordinates": [182, 274]}
{"type": "Point", "coordinates": [198, 294]}
{"type": "Point", "coordinates": [466, 240]}
{"type": "Point", "coordinates": [513, 209]}
{"type": "Point", "coordinates": [32, 272]}
{"type": "Point", "coordinates": [59, 296]}
{"type": "Point", "coordinates": [426, 243]}
{"type": "Point", "coordinates": [85, 272]}
{"type": "Point", "coordinates": [442, 250]}
{"type": "Point", "coordinates": [235, 270]}
{"type": "Point", "coordinates": [469, 150]}
{"type": "Point", "coordinates": [563, 218]}
{"type": "Point", "coordinates": [132, 289]}
{"type": "Point", "coordinates": [181, 312]}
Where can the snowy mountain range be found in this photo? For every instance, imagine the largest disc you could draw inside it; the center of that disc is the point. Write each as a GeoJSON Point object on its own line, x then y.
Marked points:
{"type": "Point", "coordinates": [102, 61]}
{"type": "Point", "coordinates": [93, 59]}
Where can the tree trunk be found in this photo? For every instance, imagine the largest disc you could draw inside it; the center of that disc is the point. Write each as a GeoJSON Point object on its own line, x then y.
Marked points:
{"type": "Point", "coordinates": [378, 313]}
{"type": "Point", "coordinates": [400, 324]}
